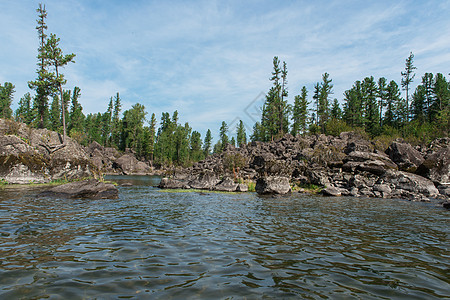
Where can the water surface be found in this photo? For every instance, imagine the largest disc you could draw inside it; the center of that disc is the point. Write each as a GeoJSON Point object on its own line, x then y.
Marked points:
{"type": "Point", "coordinates": [160, 245]}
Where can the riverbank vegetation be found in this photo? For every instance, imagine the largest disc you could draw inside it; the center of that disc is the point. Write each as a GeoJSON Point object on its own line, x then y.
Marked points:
{"type": "Point", "coordinates": [373, 107]}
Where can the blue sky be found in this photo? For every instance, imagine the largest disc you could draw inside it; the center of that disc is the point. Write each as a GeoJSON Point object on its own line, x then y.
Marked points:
{"type": "Point", "coordinates": [211, 60]}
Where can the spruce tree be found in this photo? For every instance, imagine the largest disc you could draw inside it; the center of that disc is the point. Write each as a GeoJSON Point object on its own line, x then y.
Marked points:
{"type": "Point", "coordinates": [372, 113]}
{"type": "Point", "coordinates": [76, 116]}
{"type": "Point", "coordinates": [116, 124]}
{"type": "Point", "coordinates": [258, 133]}
{"type": "Point", "coordinates": [196, 152]}
{"type": "Point", "coordinates": [336, 112]}
{"type": "Point", "coordinates": [393, 105]}
{"type": "Point", "coordinates": [418, 104]}
{"type": "Point", "coordinates": [427, 83]}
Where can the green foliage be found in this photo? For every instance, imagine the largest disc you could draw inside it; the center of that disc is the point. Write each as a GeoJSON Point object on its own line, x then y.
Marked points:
{"type": "Point", "coordinates": [241, 136]}
{"type": "Point", "coordinates": [407, 79]}
{"type": "Point", "coordinates": [207, 145]}
{"type": "Point", "coordinates": [300, 113]}
{"type": "Point", "coordinates": [234, 161]}
{"type": "Point", "coordinates": [336, 126]}
{"type": "Point", "coordinates": [24, 113]}
{"type": "Point", "coordinates": [223, 135]}
{"type": "Point", "coordinates": [6, 98]}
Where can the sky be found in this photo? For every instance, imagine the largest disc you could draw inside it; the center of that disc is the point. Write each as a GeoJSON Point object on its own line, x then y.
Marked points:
{"type": "Point", "coordinates": [212, 60]}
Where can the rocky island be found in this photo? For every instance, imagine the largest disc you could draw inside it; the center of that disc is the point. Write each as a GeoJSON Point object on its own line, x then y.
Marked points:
{"type": "Point", "coordinates": [347, 165]}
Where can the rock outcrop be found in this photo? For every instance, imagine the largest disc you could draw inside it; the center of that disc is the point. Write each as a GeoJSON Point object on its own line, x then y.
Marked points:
{"type": "Point", "coordinates": [85, 189]}
{"type": "Point", "coordinates": [111, 161]}
{"type": "Point", "coordinates": [347, 165]}
{"type": "Point", "coordinates": [30, 155]}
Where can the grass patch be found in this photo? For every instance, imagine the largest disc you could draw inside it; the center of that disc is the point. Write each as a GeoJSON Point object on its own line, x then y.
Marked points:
{"type": "Point", "coordinates": [307, 188]}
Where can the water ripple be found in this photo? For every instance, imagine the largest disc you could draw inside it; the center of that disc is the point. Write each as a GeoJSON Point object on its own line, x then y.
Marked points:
{"type": "Point", "coordinates": [161, 245]}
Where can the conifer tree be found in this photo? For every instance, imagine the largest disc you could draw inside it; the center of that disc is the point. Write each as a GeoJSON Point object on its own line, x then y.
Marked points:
{"type": "Point", "coordinates": [354, 106]}
{"type": "Point", "coordinates": [241, 136]}
{"type": "Point", "coordinates": [336, 112]}
{"type": "Point", "coordinates": [418, 104]}
{"type": "Point", "coordinates": [115, 122]}
{"type": "Point", "coordinates": [258, 133]}
{"type": "Point", "coordinates": [381, 97]}
{"type": "Point", "coordinates": [223, 135]}
{"type": "Point", "coordinates": [393, 105]}
{"type": "Point", "coordinates": [372, 117]}
{"type": "Point", "coordinates": [57, 60]}
{"type": "Point", "coordinates": [24, 113]}
{"type": "Point", "coordinates": [300, 113]}
{"type": "Point", "coordinates": [152, 136]}
{"type": "Point", "coordinates": [44, 83]}
{"type": "Point", "coordinates": [55, 114]}
{"type": "Point", "coordinates": [76, 116]}
{"type": "Point", "coordinates": [196, 152]}
{"type": "Point", "coordinates": [207, 144]}
{"type": "Point", "coordinates": [325, 90]}
{"type": "Point", "coordinates": [6, 98]}
{"type": "Point", "coordinates": [427, 83]}
{"type": "Point", "coordinates": [407, 79]}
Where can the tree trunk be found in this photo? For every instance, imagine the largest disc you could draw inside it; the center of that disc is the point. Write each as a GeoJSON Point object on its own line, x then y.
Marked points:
{"type": "Point", "coordinates": [62, 107]}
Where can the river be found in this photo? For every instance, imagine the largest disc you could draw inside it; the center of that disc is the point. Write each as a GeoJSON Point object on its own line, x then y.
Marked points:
{"type": "Point", "coordinates": [166, 245]}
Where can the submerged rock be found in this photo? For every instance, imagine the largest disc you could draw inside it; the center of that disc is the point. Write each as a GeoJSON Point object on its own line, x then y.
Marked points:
{"type": "Point", "coordinates": [85, 189]}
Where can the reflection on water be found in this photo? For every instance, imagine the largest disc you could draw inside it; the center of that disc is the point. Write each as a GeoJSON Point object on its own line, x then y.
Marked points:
{"type": "Point", "coordinates": [163, 245]}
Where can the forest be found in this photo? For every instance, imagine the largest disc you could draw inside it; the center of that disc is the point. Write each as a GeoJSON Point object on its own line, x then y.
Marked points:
{"type": "Point", "coordinates": [374, 107]}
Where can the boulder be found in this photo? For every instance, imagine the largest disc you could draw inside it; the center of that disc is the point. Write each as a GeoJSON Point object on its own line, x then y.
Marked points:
{"type": "Point", "coordinates": [242, 188]}
{"type": "Point", "coordinates": [405, 156]}
{"type": "Point", "coordinates": [29, 155]}
{"type": "Point", "coordinates": [204, 181]}
{"type": "Point", "coordinates": [436, 166]}
{"type": "Point", "coordinates": [412, 183]}
{"type": "Point", "coordinates": [331, 191]}
{"type": "Point", "coordinates": [169, 183]}
{"type": "Point", "coordinates": [85, 189]}
{"type": "Point", "coordinates": [226, 185]}
{"type": "Point", "coordinates": [130, 165]}
{"type": "Point", "coordinates": [273, 185]}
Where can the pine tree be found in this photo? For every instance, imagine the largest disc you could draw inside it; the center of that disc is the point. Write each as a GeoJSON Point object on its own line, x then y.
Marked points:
{"type": "Point", "coordinates": [427, 83]}
{"type": "Point", "coordinates": [44, 83]}
{"type": "Point", "coordinates": [372, 113]}
{"type": "Point", "coordinates": [326, 89]}
{"type": "Point", "coordinates": [381, 97]}
{"type": "Point", "coordinates": [336, 112]}
{"type": "Point", "coordinates": [76, 116]}
{"type": "Point", "coordinates": [241, 136]}
{"type": "Point", "coordinates": [207, 144]}
{"type": "Point", "coordinates": [223, 135]}
{"type": "Point", "coordinates": [24, 113]}
{"type": "Point", "coordinates": [394, 105]}
{"type": "Point", "coordinates": [407, 79]}
{"type": "Point", "coordinates": [6, 98]}
{"type": "Point", "coordinates": [354, 106]}
{"type": "Point", "coordinates": [316, 102]}
{"type": "Point", "coordinates": [233, 141]}
{"type": "Point", "coordinates": [152, 136]}
{"type": "Point", "coordinates": [116, 124]}
{"type": "Point", "coordinates": [418, 104]}
{"type": "Point", "coordinates": [196, 152]}
{"type": "Point", "coordinates": [133, 122]}
{"type": "Point", "coordinates": [57, 60]}
{"type": "Point", "coordinates": [55, 114]}
{"type": "Point", "coordinates": [300, 113]}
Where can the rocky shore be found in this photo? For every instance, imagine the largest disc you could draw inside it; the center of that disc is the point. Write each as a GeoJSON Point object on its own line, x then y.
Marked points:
{"type": "Point", "coordinates": [29, 155]}
{"type": "Point", "coordinates": [348, 165]}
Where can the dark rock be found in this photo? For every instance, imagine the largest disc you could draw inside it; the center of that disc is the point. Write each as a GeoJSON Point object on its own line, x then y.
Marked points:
{"type": "Point", "coordinates": [273, 185]}
{"type": "Point", "coordinates": [226, 185]}
{"type": "Point", "coordinates": [204, 181]}
{"type": "Point", "coordinates": [331, 191]}
{"type": "Point", "coordinates": [446, 205]}
{"type": "Point", "coordinates": [405, 156]}
{"type": "Point", "coordinates": [169, 183]}
{"type": "Point", "coordinates": [242, 188]}
{"type": "Point", "coordinates": [29, 155]}
{"type": "Point", "coordinates": [85, 189]}
{"type": "Point", "coordinates": [130, 165]}
{"type": "Point", "coordinates": [412, 183]}
{"type": "Point", "coordinates": [436, 166]}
